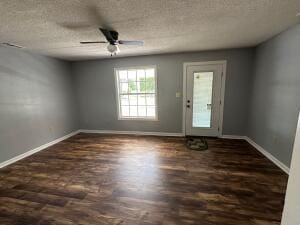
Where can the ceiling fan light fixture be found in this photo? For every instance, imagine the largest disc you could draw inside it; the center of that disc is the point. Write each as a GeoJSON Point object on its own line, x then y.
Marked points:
{"type": "Point", "coordinates": [113, 49]}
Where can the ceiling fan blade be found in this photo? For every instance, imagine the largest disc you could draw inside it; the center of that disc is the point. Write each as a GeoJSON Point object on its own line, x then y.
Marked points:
{"type": "Point", "coordinates": [11, 45]}
{"type": "Point", "coordinates": [76, 26]}
{"type": "Point", "coordinates": [92, 20]}
{"type": "Point", "coordinates": [140, 43]}
{"type": "Point", "coordinates": [92, 42]}
{"type": "Point", "coordinates": [96, 17]}
{"type": "Point", "coordinates": [110, 35]}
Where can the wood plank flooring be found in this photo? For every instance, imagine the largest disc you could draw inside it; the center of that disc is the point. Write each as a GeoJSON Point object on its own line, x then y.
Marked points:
{"type": "Point", "coordinates": [93, 179]}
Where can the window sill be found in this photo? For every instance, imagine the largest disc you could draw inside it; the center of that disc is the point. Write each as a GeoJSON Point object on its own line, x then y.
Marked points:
{"type": "Point", "coordinates": [138, 119]}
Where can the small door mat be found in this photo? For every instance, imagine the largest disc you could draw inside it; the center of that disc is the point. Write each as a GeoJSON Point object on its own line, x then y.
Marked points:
{"type": "Point", "coordinates": [196, 143]}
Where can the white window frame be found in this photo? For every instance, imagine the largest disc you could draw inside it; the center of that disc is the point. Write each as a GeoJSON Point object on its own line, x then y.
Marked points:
{"type": "Point", "coordinates": [118, 102]}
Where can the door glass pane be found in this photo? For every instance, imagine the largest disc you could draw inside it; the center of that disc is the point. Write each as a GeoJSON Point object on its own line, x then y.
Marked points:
{"type": "Point", "coordinates": [202, 99]}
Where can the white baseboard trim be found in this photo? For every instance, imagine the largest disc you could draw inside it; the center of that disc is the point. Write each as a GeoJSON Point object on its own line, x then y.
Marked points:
{"type": "Point", "coordinates": [268, 155]}
{"type": "Point", "coordinates": [42, 147]}
{"type": "Point", "coordinates": [233, 137]}
{"type": "Point", "coordinates": [133, 133]}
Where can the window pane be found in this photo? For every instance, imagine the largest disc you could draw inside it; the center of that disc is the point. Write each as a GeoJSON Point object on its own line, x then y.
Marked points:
{"type": "Point", "coordinates": [151, 100]}
{"type": "Point", "coordinates": [125, 111]}
{"type": "Point", "coordinates": [138, 86]}
{"type": "Point", "coordinates": [149, 73]}
{"type": "Point", "coordinates": [151, 111]}
{"type": "Point", "coordinates": [132, 86]}
{"type": "Point", "coordinates": [150, 81]}
{"type": "Point", "coordinates": [123, 76]}
{"type": "Point", "coordinates": [140, 75]}
{"type": "Point", "coordinates": [133, 99]}
{"type": "Point", "coordinates": [202, 99]}
{"type": "Point", "coordinates": [141, 100]}
{"type": "Point", "coordinates": [132, 75]}
{"type": "Point", "coordinates": [142, 111]}
{"type": "Point", "coordinates": [124, 100]}
{"type": "Point", "coordinates": [142, 87]}
{"type": "Point", "coordinates": [133, 111]}
{"type": "Point", "coordinates": [150, 85]}
{"type": "Point", "coordinates": [124, 87]}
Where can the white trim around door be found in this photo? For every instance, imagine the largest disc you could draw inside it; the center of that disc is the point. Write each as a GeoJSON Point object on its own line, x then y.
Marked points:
{"type": "Point", "coordinates": [184, 89]}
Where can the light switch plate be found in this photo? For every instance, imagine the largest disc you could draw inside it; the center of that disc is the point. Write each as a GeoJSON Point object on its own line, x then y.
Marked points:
{"type": "Point", "coordinates": [178, 94]}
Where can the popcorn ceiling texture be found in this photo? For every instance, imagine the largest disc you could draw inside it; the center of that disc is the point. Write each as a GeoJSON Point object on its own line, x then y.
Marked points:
{"type": "Point", "coordinates": [55, 27]}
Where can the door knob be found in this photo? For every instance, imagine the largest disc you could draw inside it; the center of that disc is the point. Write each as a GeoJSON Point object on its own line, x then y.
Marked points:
{"type": "Point", "coordinates": [188, 106]}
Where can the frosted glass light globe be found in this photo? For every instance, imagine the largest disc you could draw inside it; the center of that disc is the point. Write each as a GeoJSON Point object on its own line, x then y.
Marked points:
{"type": "Point", "coordinates": [113, 48]}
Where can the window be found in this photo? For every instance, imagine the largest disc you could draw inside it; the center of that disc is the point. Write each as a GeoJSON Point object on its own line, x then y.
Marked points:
{"type": "Point", "coordinates": [136, 91]}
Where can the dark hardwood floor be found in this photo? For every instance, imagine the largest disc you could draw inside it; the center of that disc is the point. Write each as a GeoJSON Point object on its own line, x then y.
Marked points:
{"type": "Point", "coordinates": [93, 179]}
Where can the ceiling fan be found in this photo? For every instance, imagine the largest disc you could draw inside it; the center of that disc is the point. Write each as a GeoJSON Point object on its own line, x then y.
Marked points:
{"type": "Point", "coordinates": [113, 41]}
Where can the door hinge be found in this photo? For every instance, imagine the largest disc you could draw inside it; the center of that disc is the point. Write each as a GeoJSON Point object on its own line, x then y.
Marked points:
{"type": "Point", "coordinates": [220, 102]}
{"type": "Point", "coordinates": [222, 74]}
{"type": "Point", "coordinates": [218, 128]}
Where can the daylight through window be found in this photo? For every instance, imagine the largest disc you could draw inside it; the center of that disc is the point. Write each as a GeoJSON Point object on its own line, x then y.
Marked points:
{"type": "Point", "coordinates": [137, 93]}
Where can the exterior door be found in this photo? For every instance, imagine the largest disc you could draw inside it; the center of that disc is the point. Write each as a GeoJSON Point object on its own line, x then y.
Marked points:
{"type": "Point", "coordinates": [203, 99]}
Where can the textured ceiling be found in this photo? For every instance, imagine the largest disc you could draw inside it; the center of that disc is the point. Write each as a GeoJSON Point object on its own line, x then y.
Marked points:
{"type": "Point", "coordinates": [55, 27]}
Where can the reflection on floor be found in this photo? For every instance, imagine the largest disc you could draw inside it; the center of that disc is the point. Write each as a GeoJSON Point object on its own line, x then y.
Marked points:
{"type": "Point", "coordinates": [94, 179]}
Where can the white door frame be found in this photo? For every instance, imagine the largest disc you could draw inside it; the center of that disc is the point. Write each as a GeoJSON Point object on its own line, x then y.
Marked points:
{"type": "Point", "coordinates": [185, 65]}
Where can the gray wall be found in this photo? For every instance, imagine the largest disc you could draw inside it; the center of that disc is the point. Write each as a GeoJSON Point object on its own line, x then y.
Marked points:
{"type": "Point", "coordinates": [275, 97]}
{"type": "Point", "coordinates": [37, 103]}
{"type": "Point", "coordinates": [97, 96]}
{"type": "Point", "coordinates": [39, 95]}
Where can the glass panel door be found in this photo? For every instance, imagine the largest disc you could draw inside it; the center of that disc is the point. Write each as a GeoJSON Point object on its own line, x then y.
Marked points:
{"type": "Point", "coordinates": [202, 99]}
